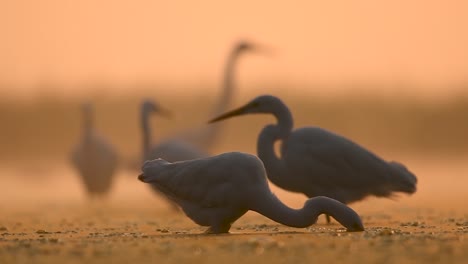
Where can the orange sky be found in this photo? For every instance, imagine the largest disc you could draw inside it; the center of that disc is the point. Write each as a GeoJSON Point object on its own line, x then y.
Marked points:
{"type": "Point", "coordinates": [71, 42]}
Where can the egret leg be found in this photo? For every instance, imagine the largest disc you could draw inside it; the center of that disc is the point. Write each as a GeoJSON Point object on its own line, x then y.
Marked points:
{"type": "Point", "coordinates": [328, 219]}
{"type": "Point", "coordinates": [218, 229]}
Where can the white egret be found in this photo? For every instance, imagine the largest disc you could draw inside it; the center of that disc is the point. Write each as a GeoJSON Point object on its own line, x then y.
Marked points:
{"type": "Point", "coordinates": [94, 158]}
{"type": "Point", "coordinates": [196, 143]}
{"type": "Point", "coordinates": [204, 137]}
{"type": "Point", "coordinates": [150, 152]}
{"type": "Point", "coordinates": [171, 150]}
{"type": "Point", "coordinates": [317, 162]}
{"type": "Point", "coordinates": [216, 191]}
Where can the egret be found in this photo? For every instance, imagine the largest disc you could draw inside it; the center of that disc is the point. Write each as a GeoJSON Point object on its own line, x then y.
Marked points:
{"type": "Point", "coordinates": [204, 137]}
{"type": "Point", "coordinates": [218, 190]}
{"type": "Point", "coordinates": [317, 162]}
{"type": "Point", "coordinates": [94, 158]}
{"type": "Point", "coordinates": [162, 150]}
{"type": "Point", "coordinates": [171, 150]}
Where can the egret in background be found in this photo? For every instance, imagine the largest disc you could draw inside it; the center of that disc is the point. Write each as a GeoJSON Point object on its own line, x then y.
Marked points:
{"type": "Point", "coordinates": [205, 137]}
{"type": "Point", "coordinates": [317, 162]}
{"type": "Point", "coordinates": [94, 158]}
{"type": "Point", "coordinates": [171, 150]}
{"type": "Point", "coordinates": [196, 143]}
{"type": "Point", "coordinates": [216, 191]}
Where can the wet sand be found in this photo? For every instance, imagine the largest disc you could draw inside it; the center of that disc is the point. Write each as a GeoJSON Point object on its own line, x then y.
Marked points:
{"type": "Point", "coordinates": [46, 218]}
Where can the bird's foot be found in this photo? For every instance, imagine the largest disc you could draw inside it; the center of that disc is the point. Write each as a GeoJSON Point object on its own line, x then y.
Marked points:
{"type": "Point", "coordinates": [328, 219]}
{"type": "Point", "coordinates": [220, 229]}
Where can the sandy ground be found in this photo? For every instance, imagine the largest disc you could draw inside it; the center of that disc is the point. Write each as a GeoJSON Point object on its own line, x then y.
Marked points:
{"type": "Point", "coordinates": [46, 218]}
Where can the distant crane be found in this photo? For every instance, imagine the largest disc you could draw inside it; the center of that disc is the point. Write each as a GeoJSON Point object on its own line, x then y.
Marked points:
{"type": "Point", "coordinates": [317, 162]}
{"type": "Point", "coordinates": [216, 191]}
{"type": "Point", "coordinates": [94, 158]}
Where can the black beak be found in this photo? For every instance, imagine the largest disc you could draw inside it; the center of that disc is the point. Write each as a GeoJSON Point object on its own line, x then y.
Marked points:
{"type": "Point", "coordinates": [235, 112]}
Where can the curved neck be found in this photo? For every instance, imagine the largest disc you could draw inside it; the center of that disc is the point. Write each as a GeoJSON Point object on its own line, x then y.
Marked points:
{"type": "Point", "coordinates": [225, 98]}
{"type": "Point", "coordinates": [274, 165]}
{"type": "Point", "coordinates": [273, 208]}
{"type": "Point", "coordinates": [228, 84]}
{"type": "Point", "coordinates": [146, 133]}
{"type": "Point", "coordinates": [87, 124]}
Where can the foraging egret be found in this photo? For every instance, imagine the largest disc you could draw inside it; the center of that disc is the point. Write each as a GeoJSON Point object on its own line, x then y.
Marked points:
{"type": "Point", "coordinates": [94, 158]}
{"type": "Point", "coordinates": [204, 137]}
{"type": "Point", "coordinates": [216, 191]}
{"type": "Point", "coordinates": [317, 162]}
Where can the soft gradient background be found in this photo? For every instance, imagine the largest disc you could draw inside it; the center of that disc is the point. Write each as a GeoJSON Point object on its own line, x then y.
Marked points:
{"type": "Point", "coordinates": [390, 75]}
{"type": "Point", "coordinates": [421, 44]}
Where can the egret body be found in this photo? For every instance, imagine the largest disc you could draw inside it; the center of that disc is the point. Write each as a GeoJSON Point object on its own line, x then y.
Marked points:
{"type": "Point", "coordinates": [317, 162]}
{"type": "Point", "coordinates": [94, 158]}
{"type": "Point", "coordinates": [216, 191]}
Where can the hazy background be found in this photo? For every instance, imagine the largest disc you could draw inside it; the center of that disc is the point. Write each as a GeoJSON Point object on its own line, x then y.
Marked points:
{"type": "Point", "coordinates": [390, 75]}
{"type": "Point", "coordinates": [422, 44]}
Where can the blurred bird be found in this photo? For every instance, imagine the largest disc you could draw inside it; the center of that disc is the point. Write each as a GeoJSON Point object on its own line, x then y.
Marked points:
{"type": "Point", "coordinates": [197, 142]}
{"type": "Point", "coordinates": [216, 191]}
{"type": "Point", "coordinates": [94, 158]}
{"type": "Point", "coordinates": [171, 150]}
{"type": "Point", "coordinates": [204, 137]}
{"type": "Point", "coordinates": [317, 162]}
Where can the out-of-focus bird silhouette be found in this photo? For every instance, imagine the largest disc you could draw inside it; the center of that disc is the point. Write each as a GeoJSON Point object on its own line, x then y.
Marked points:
{"type": "Point", "coordinates": [317, 162]}
{"type": "Point", "coordinates": [149, 151]}
{"type": "Point", "coordinates": [94, 158]}
{"type": "Point", "coordinates": [197, 142]}
{"type": "Point", "coordinates": [204, 137]}
{"type": "Point", "coordinates": [216, 191]}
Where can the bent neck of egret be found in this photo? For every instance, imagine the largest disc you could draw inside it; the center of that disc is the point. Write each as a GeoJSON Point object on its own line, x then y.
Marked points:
{"type": "Point", "coordinates": [271, 207]}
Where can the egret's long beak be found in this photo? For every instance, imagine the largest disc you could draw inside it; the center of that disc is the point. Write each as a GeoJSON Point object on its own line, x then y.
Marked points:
{"type": "Point", "coordinates": [164, 112]}
{"type": "Point", "coordinates": [235, 112]}
{"type": "Point", "coordinates": [264, 50]}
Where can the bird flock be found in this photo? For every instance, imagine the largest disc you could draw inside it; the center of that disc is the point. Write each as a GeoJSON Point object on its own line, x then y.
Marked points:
{"type": "Point", "coordinates": [216, 190]}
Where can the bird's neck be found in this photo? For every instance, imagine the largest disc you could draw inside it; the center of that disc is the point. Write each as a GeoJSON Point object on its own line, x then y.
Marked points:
{"type": "Point", "coordinates": [87, 126]}
{"type": "Point", "coordinates": [146, 133]}
{"type": "Point", "coordinates": [224, 100]}
{"type": "Point", "coordinates": [274, 165]}
{"type": "Point", "coordinates": [273, 208]}
{"type": "Point", "coordinates": [228, 84]}
{"type": "Point", "coordinates": [270, 206]}
{"type": "Point", "coordinates": [339, 211]}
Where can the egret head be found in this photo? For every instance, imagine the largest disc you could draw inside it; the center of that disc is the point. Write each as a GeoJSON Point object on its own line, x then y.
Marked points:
{"type": "Point", "coordinates": [151, 169]}
{"type": "Point", "coordinates": [341, 212]}
{"type": "Point", "coordinates": [263, 104]}
{"type": "Point", "coordinates": [246, 46]}
{"type": "Point", "coordinates": [149, 106]}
